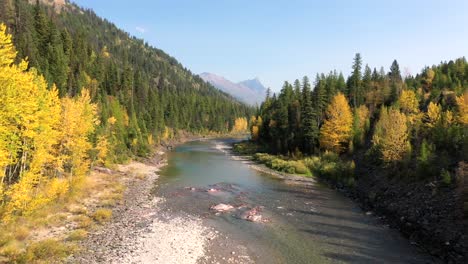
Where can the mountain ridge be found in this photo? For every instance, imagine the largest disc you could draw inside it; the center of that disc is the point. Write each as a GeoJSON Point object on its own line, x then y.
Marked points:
{"type": "Point", "coordinates": [250, 91]}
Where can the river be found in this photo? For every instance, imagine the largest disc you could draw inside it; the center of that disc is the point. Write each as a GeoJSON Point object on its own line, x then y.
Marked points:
{"type": "Point", "coordinates": [306, 223]}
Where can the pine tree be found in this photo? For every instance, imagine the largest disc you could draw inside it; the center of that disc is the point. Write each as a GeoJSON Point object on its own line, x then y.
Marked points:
{"type": "Point", "coordinates": [308, 119]}
{"type": "Point", "coordinates": [355, 81]}
{"type": "Point", "coordinates": [395, 81]}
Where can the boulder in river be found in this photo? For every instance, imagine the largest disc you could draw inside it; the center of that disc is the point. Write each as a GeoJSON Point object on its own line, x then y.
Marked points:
{"type": "Point", "coordinates": [252, 215]}
{"type": "Point", "coordinates": [222, 207]}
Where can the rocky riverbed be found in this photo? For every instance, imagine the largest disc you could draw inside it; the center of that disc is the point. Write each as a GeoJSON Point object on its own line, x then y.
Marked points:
{"type": "Point", "coordinates": [141, 231]}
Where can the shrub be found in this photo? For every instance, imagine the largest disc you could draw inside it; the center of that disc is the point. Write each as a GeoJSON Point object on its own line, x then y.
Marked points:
{"type": "Point", "coordinates": [301, 168]}
{"type": "Point", "coordinates": [313, 163]}
{"type": "Point", "coordinates": [102, 215]}
{"type": "Point", "coordinates": [49, 250]}
{"type": "Point", "coordinates": [279, 164]}
{"type": "Point", "coordinates": [83, 221]}
{"type": "Point", "coordinates": [446, 177]}
{"type": "Point", "coordinates": [78, 234]}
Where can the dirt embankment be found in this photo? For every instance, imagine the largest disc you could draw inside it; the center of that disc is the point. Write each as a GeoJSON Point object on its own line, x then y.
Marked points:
{"type": "Point", "coordinates": [426, 212]}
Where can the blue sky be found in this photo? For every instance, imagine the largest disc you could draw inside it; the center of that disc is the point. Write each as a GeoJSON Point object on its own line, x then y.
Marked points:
{"type": "Point", "coordinates": [284, 40]}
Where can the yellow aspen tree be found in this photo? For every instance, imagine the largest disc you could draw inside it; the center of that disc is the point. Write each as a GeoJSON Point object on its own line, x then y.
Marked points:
{"type": "Point", "coordinates": [336, 131]}
{"type": "Point", "coordinates": [408, 102]}
{"type": "Point", "coordinates": [255, 124]}
{"type": "Point", "coordinates": [391, 135]}
{"type": "Point", "coordinates": [29, 116]}
{"type": "Point", "coordinates": [409, 105]}
{"type": "Point", "coordinates": [102, 148]}
{"type": "Point", "coordinates": [433, 115]}
{"type": "Point", "coordinates": [462, 105]}
{"type": "Point", "coordinates": [361, 123]}
{"type": "Point", "coordinates": [7, 49]}
{"type": "Point", "coordinates": [240, 125]}
{"type": "Point", "coordinates": [77, 123]}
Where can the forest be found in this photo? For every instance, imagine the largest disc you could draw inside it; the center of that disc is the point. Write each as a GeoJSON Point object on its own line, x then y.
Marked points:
{"type": "Point", "coordinates": [418, 123]}
{"type": "Point", "coordinates": [137, 87]}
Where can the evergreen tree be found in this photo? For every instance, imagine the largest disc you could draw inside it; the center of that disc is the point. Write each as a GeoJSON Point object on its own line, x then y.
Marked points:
{"type": "Point", "coordinates": [308, 119]}
{"type": "Point", "coordinates": [355, 81]}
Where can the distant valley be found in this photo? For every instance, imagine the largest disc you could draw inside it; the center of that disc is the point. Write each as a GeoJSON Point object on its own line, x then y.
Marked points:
{"type": "Point", "coordinates": [250, 91]}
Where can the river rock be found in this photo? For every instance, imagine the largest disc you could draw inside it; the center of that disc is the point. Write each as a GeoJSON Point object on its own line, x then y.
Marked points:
{"type": "Point", "coordinates": [222, 207]}
{"type": "Point", "coordinates": [254, 218]}
{"type": "Point", "coordinates": [252, 215]}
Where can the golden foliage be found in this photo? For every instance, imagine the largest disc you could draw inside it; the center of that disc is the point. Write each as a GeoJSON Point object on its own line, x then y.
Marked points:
{"type": "Point", "coordinates": [240, 125]}
{"type": "Point", "coordinates": [361, 123]}
{"type": "Point", "coordinates": [255, 124]}
{"type": "Point", "coordinates": [102, 147]}
{"type": "Point", "coordinates": [433, 115]}
{"type": "Point", "coordinates": [408, 102]}
{"type": "Point", "coordinates": [78, 119]}
{"type": "Point", "coordinates": [7, 50]}
{"type": "Point", "coordinates": [28, 131]}
{"type": "Point", "coordinates": [336, 130]}
{"type": "Point", "coordinates": [391, 135]}
{"type": "Point", "coordinates": [41, 136]}
{"type": "Point", "coordinates": [167, 134]}
{"type": "Point", "coordinates": [462, 104]}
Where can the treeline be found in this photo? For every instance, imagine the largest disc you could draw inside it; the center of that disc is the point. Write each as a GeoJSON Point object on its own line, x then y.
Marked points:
{"type": "Point", "coordinates": [417, 122]}
{"type": "Point", "coordinates": [143, 95]}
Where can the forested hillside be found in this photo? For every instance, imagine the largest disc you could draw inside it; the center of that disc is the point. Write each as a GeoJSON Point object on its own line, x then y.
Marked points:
{"type": "Point", "coordinates": [77, 92]}
{"type": "Point", "coordinates": [139, 88]}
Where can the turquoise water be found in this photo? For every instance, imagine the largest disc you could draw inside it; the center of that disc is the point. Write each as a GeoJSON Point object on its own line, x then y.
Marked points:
{"type": "Point", "coordinates": [306, 224]}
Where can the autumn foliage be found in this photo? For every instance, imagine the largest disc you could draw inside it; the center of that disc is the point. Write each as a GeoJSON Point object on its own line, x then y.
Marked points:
{"type": "Point", "coordinates": [240, 125]}
{"type": "Point", "coordinates": [44, 140]}
{"type": "Point", "coordinates": [391, 135]}
{"type": "Point", "coordinates": [335, 133]}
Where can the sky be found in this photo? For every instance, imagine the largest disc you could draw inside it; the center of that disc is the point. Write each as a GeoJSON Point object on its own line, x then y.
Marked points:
{"type": "Point", "coordinates": [283, 40]}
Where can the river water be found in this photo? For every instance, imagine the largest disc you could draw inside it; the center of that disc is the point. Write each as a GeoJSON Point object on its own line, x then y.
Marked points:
{"type": "Point", "coordinates": [306, 224]}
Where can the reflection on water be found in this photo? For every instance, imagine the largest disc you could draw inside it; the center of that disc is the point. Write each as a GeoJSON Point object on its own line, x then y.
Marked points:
{"type": "Point", "coordinates": [306, 224]}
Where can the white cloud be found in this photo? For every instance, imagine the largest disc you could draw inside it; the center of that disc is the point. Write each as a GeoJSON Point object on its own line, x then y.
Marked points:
{"type": "Point", "coordinates": [141, 29]}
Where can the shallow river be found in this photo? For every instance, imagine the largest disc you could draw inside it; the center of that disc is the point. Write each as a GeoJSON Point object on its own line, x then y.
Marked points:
{"type": "Point", "coordinates": [306, 224]}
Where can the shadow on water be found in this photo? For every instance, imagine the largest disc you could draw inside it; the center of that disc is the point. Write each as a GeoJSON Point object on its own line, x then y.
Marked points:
{"type": "Point", "coordinates": [308, 224]}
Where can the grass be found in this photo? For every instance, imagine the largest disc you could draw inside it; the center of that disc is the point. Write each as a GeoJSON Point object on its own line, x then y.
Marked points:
{"type": "Point", "coordinates": [102, 215]}
{"type": "Point", "coordinates": [47, 251]}
{"type": "Point", "coordinates": [78, 234]}
{"type": "Point", "coordinates": [50, 233]}
{"type": "Point", "coordinates": [83, 221]}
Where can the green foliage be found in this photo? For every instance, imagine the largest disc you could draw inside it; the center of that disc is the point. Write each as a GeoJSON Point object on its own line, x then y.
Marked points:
{"type": "Point", "coordinates": [246, 148]}
{"type": "Point", "coordinates": [332, 168]}
{"type": "Point", "coordinates": [446, 177]}
{"type": "Point", "coordinates": [280, 164]}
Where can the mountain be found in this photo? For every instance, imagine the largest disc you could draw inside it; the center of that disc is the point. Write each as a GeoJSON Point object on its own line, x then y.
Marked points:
{"type": "Point", "coordinates": [250, 91]}
{"type": "Point", "coordinates": [147, 94]}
